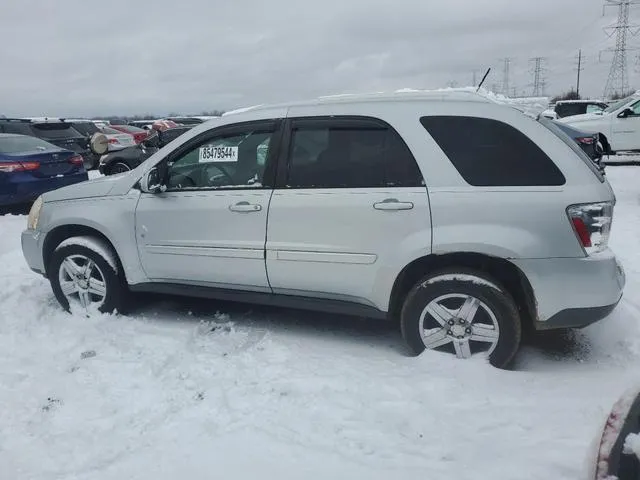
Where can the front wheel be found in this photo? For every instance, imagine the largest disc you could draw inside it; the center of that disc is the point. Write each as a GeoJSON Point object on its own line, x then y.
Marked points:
{"type": "Point", "coordinates": [119, 167]}
{"type": "Point", "coordinates": [84, 275]}
{"type": "Point", "coordinates": [463, 313]}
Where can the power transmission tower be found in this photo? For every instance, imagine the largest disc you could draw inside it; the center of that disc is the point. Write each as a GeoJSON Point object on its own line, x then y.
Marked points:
{"type": "Point", "coordinates": [505, 75]}
{"type": "Point", "coordinates": [539, 81]}
{"type": "Point", "coordinates": [618, 80]}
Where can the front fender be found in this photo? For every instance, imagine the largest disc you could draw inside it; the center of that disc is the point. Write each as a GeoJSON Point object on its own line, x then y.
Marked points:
{"type": "Point", "coordinates": [111, 216]}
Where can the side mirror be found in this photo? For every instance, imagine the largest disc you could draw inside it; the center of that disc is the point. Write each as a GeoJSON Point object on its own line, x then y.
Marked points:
{"type": "Point", "coordinates": [627, 112]}
{"type": "Point", "coordinates": [151, 182]}
{"type": "Point", "coordinates": [99, 143]}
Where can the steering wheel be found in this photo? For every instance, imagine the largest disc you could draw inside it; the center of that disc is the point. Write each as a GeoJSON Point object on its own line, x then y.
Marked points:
{"type": "Point", "coordinates": [225, 174]}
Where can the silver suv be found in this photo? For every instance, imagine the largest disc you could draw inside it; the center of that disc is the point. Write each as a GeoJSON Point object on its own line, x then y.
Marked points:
{"type": "Point", "coordinates": [463, 220]}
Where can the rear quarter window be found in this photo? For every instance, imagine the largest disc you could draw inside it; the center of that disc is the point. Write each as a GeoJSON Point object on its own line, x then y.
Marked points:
{"type": "Point", "coordinates": [490, 153]}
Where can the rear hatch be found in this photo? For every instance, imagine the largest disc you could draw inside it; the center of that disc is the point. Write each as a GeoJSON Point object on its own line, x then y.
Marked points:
{"type": "Point", "coordinates": [62, 135]}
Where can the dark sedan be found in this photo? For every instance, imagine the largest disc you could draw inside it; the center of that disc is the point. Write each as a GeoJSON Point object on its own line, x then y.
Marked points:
{"type": "Point", "coordinates": [30, 166]}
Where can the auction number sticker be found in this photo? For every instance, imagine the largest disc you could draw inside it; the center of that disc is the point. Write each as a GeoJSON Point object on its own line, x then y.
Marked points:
{"type": "Point", "coordinates": [210, 154]}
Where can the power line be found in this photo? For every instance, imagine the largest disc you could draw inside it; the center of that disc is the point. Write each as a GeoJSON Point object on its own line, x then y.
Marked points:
{"type": "Point", "coordinates": [618, 80]}
{"type": "Point", "coordinates": [539, 81]}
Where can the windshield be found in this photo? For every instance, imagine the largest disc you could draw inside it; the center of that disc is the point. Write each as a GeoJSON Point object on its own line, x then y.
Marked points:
{"type": "Point", "coordinates": [19, 143]}
{"type": "Point", "coordinates": [618, 104]}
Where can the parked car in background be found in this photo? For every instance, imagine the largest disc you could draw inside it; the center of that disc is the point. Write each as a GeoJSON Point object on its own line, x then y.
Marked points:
{"type": "Point", "coordinates": [191, 121]}
{"type": "Point", "coordinates": [618, 124]}
{"type": "Point", "coordinates": [145, 124]}
{"type": "Point", "coordinates": [350, 226]}
{"type": "Point", "coordinates": [30, 166]}
{"type": "Point", "coordinates": [138, 134]}
{"type": "Point", "coordinates": [60, 133]}
{"type": "Point", "coordinates": [590, 143]}
{"type": "Point", "coordinates": [129, 158]}
{"type": "Point", "coordinates": [118, 140]}
{"type": "Point", "coordinates": [86, 128]}
{"type": "Point", "coordinates": [568, 108]}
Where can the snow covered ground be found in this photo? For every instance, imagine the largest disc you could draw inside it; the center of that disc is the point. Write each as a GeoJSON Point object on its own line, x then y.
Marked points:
{"type": "Point", "coordinates": [201, 390]}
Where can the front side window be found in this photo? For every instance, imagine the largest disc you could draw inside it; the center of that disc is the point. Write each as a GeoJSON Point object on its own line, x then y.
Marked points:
{"type": "Point", "coordinates": [636, 108]}
{"type": "Point", "coordinates": [349, 156]}
{"type": "Point", "coordinates": [490, 153]}
{"type": "Point", "coordinates": [235, 160]}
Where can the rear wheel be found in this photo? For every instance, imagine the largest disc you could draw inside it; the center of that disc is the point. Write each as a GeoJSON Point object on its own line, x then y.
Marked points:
{"type": "Point", "coordinates": [463, 313]}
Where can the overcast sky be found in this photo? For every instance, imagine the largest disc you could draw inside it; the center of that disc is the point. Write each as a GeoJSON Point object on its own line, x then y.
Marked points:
{"type": "Point", "coordinates": [81, 57]}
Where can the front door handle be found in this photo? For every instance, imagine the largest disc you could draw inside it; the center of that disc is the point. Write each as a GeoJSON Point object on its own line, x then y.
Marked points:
{"type": "Point", "coordinates": [393, 204]}
{"type": "Point", "coordinates": [245, 207]}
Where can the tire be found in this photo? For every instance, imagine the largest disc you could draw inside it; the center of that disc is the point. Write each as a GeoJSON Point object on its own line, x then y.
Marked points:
{"type": "Point", "coordinates": [105, 287]}
{"type": "Point", "coordinates": [495, 327]}
{"type": "Point", "coordinates": [119, 167]}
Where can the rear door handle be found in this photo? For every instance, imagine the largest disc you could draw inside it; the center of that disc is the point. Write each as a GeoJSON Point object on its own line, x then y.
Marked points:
{"type": "Point", "coordinates": [393, 204]}
{"type": "Point", "coordinates": [245, 207]}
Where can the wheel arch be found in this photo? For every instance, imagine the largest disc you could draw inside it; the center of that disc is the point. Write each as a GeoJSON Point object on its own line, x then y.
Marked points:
{"type": "Point", "coordinates": [499, 269]}
{"type": "Point", "coordinates": [63, 232]}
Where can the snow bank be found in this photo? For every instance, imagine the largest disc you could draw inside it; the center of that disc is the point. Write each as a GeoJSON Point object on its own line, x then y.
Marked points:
{"type": "Point", "coordinates": [178, 390]}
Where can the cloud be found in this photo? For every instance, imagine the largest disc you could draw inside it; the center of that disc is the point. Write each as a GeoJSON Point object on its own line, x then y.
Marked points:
{"type": "Point", "coordinates": [73, 57]}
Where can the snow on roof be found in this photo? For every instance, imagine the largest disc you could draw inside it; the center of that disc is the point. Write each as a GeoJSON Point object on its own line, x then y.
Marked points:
{"type": "Point", "coordinates": [580, 101]}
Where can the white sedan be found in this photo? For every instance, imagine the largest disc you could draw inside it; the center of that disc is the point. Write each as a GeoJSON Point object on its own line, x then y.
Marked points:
{"type": "Point", "coordinates": [118, 140]}
{"type": "Point", "coordinates": [619, 123]}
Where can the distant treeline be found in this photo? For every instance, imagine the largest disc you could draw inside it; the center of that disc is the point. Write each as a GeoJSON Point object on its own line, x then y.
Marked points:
{"type": "Point", "coordinates": [149, 116]}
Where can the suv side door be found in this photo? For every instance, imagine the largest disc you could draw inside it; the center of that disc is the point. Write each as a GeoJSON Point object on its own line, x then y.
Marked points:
{"type": "Point", "coordinates": [625, 132]}
{"type": "Point", "coordinates": [349, 200]}
{"type": "Point", "coordinates": [209, 226]}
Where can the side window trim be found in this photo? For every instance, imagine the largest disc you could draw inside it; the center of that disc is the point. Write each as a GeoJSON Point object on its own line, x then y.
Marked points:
{"type": "Point", "coordinates": [269, 174]}
{"type": "Point", "coordinates": [342, 121]}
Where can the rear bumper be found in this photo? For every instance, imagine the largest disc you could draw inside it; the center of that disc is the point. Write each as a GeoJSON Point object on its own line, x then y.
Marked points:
{"type": "Point", "coordinates": [28, 189]}
{"type": "Point", "coordinates": [574, 292]}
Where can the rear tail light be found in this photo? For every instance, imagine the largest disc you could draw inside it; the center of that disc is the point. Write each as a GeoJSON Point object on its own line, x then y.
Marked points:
{"type": "Point", "coordinates": [19, 166]}
{"type": "Point", "coordinates": [586, 140]}
{"type": "Point", "coordinates": [592, 224]}
{"type": "Point", "coordinates": [113, 141]}
{"type": "Point", "coordinates": [76, 160]}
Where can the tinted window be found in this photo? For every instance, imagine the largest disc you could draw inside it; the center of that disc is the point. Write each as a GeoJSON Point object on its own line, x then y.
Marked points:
{"type": "Point", "coordinates": [20, 144]}
{"type": "Point", "coordinates": [226, 161]}
{"type": "Point", "coordinates": [490, 153]}
{"type": "Point", "coordinates": [55, 130]}
{"type": "Point", "coordinates": [350, 157]}
{"type": "Point", "coordinates": [570, 109]}
{"type": "Point", "coordinates": [20, 128]}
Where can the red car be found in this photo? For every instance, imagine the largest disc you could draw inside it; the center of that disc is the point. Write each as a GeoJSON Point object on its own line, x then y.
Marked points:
{"type": "Point", "coordinates": [139, 135]}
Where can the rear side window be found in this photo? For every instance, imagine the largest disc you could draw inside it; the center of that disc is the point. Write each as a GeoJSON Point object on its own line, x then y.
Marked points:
{"type": "Point", "coordinates": [349, 154]}
{"type": "Point", "coordinates": [86, 128]}
{"type": "Point", "coordinates": [490, 153]}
